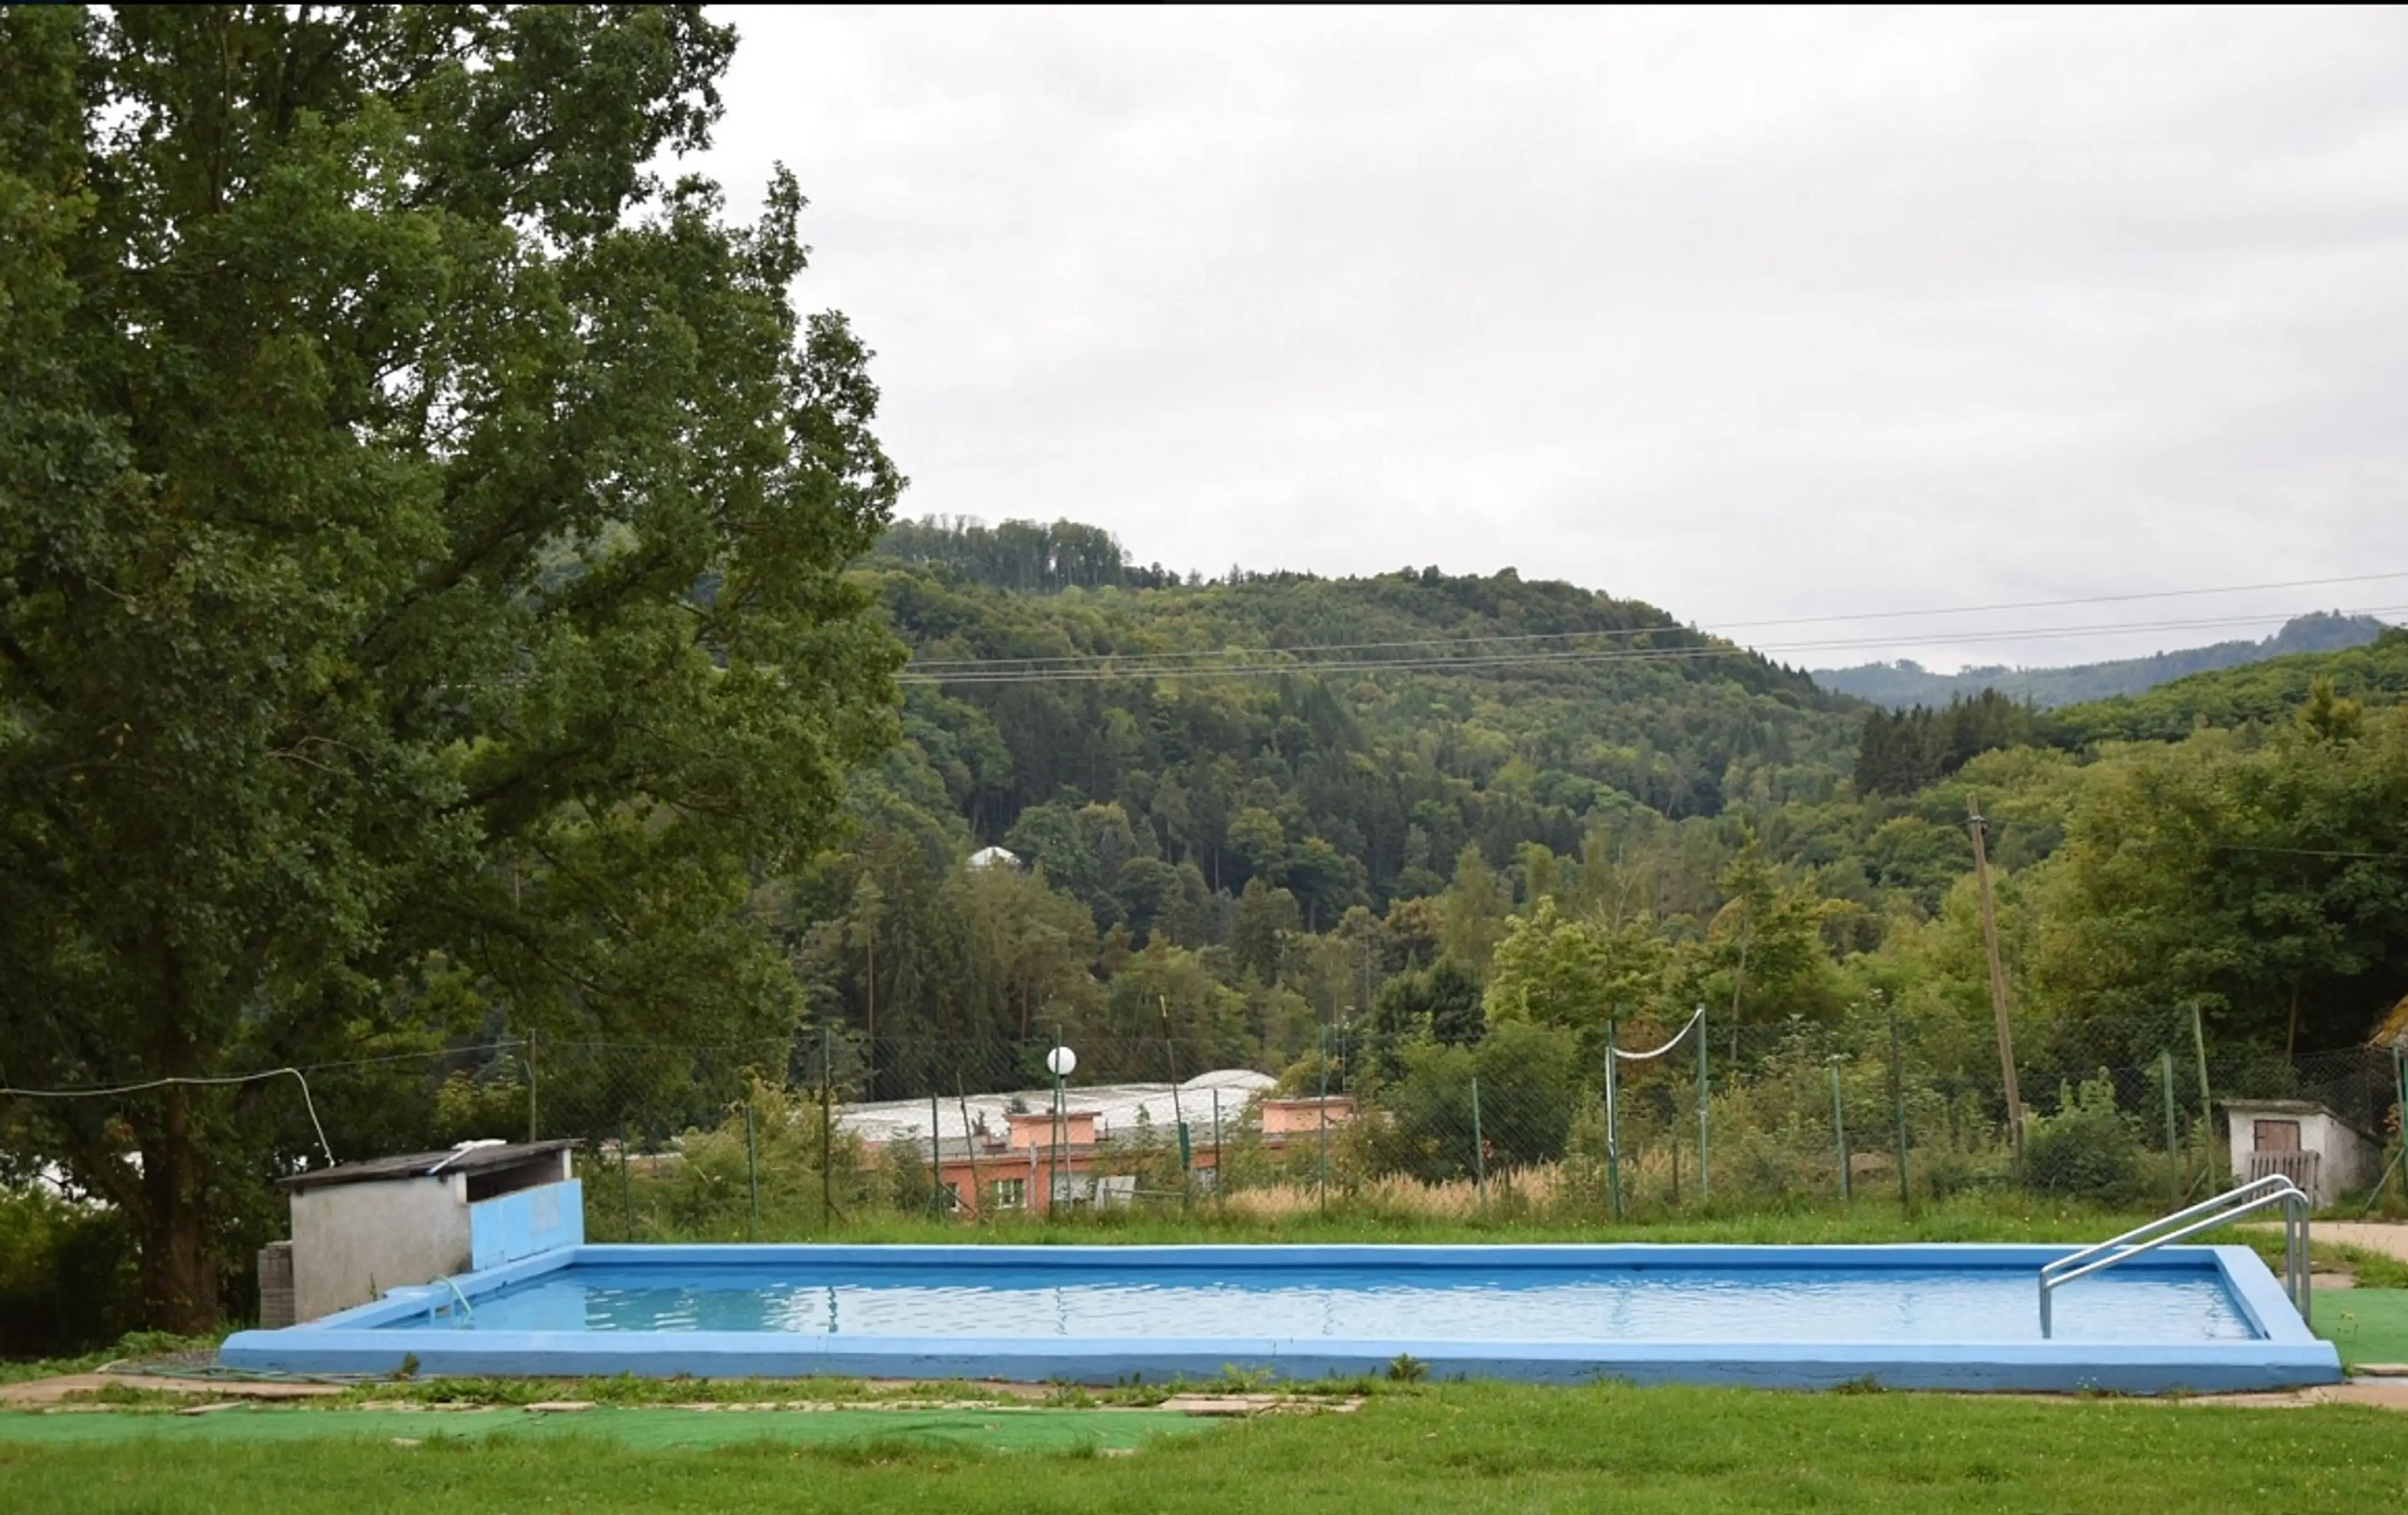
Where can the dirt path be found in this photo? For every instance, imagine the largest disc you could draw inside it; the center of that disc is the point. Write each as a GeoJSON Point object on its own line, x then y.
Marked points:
{"type": "Point", "coordinates": [2390, 1240]}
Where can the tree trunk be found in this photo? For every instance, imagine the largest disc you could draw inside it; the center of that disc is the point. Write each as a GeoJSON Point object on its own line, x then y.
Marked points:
{"type": "Point", "coordinates": [179, 1275]}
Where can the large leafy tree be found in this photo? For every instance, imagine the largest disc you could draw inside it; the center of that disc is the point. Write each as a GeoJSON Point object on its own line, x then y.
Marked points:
{"type": "Point", "coordinates": [422, 528]}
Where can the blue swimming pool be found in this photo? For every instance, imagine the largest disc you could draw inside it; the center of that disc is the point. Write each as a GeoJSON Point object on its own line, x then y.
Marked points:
{"type": "Point", "coordinates": [2196, 1317]}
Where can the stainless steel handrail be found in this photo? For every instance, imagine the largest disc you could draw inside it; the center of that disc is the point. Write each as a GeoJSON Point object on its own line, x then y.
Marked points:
{"type": "Point", "coordinates": [2206, 1215]}
{"type": "Point", "coordinates": [468, 1310]}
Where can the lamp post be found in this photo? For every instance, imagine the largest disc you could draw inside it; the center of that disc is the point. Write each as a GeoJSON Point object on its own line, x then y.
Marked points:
{"type": "Point", "coordinates": [1061, 1063]}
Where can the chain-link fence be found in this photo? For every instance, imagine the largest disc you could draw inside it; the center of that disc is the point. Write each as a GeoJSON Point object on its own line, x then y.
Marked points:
{"type": "Point", "coordinates": [781, 1140]}
{"type": "Point", "coordinates": [826, 1134]}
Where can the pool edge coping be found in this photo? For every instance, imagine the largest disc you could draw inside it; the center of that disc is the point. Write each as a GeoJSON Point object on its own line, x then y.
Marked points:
{"type": "Point", "coordinates": [2285, 1354]}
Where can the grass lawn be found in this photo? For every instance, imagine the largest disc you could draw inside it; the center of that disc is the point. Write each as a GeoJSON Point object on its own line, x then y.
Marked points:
{"type": "Point", "coordinates": [1491, 1448]}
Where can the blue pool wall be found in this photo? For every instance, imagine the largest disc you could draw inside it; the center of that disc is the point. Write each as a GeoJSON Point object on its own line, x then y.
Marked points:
{"type": "Point", "coordinates": [525, 1222]}
{"type": "Point", "coordinates": [374, 1337]}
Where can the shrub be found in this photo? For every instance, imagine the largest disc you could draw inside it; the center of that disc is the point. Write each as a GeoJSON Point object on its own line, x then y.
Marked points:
{"type": "Point", "coordinates": [67, 1275]}
{"type": "Point", "coordinates": [2087, 1150]}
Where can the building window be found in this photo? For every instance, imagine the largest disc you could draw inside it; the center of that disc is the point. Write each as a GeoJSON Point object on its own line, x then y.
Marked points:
{"type": "Point", "coordinates": [1010, 1194]}
{"type": "Point", "coordinates": [952, 1195]}
{"type": "Point", "coordinates": [2276, 1137]}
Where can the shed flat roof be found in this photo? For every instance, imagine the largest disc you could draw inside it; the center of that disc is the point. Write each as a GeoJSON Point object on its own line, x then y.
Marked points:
{"type": "Point", "coordinates": [420, 1164]}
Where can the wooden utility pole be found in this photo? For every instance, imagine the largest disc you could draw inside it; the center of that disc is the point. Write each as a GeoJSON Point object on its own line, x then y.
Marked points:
{"type": "Point", "coordinates": [1998, 977]}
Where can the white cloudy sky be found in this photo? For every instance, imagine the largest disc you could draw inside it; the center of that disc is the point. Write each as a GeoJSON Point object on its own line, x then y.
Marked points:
{"type": "Point", "coordinates": [1755, 315]}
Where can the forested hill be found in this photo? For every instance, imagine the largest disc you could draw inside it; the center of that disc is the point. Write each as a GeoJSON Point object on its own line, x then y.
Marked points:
{"type": "Point", "coordinates": [1345, 738]}
{"type": "Point", "coordinates": [1906, 683]}
{"type": "Point", "coordinates": [1258, 804]}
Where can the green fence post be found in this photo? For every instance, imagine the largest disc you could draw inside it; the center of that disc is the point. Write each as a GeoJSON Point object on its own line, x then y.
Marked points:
{"type": "Point", "coordinates": [530, 1067]}
{"type": "Point", "coordinates": [1839, 1127]}
{"type": "Point", "coordinates": [2206, 1106]}
{"type": "Point", "coordinates": [1898, 1110]}
{"type": "Point", "coordinates": [2174, 1145]}
{"type": "Point", "coordinates": [1703, 1170]}
{"type": "Point", "coordinates": [1478, 1150]}
{"type": "Point", "coordinates": [752, 1173]}
{"type": "Point", "coordinates": [626, 1184]}
{"type": "Point", "coordinates": [1613, 1126]}
{"type": "Point", "coordinates": [2400, 1076]}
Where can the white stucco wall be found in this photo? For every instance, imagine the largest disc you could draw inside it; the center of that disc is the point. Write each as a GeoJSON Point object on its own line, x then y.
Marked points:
{"type": "Point", "coordinates": [353, 1241]}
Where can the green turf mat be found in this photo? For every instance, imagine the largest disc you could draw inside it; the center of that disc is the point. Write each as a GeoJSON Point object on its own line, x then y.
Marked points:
{"type": "Point", "coordinates": [982, 1430]}
{"type": "Point", "coordinates": [2368, 1325]}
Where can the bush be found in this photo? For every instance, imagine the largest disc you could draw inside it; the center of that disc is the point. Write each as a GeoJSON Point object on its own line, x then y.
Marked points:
{"type": "Point", "coordinates": [2087, 1150]}
{"type": "Point", "coordinates": [67, 1275]}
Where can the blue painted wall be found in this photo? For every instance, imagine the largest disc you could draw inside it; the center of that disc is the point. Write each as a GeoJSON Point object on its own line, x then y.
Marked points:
{"type": "Point", "coordinates": [510, 1226]}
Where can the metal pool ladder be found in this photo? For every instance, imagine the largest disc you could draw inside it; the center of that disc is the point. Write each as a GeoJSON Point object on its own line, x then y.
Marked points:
{"type": "Point", "coordinates": [2262, 1193]}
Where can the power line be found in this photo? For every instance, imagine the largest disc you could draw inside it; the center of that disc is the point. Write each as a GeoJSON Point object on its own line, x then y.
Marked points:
{"type": "Point", "coordinates": [1147, 665]}
{"type": "Point", "coordinates": [101, 1092]}
{"type": "Point", "coordinates": [1071, 658]}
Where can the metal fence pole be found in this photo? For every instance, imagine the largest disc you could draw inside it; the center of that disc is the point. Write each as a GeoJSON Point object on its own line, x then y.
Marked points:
{"type": "Point", "coordinates": [1479, 1148]}
{"type": "Point", "coordinates": [1178, 1110]}
{"type": "Point", "coordinates": [1220, 1154]}
{"type": "Point", "coordinates": [1703, 1170]}
{"type": "Point", "coordinates": [530, 1067]}
{"type": "Point", "coordinates": [626, 1184]}
{"type": "Point", "coordinates": [1321, 1173]}
{"type": "Point", "coordinates": [935, 1158]}
{"type": "Point", "coordinates": [970, 1145]}
{"type": "Point", "coordinates": [2174, 1145]}
{"type": "Point", "coordinates": [2400, 1079]}
{"type": "Point", "coordinates": [1613, 1127]}
{"type": "Point", "coordinates": [828, 1127]}
{"type": "Point", "coordinates": [1839, 1127]}
{"type": "Point", "coordinates": [1898, 1110]}
{"type": "Point", "coordinates": [2206, 1106]}
{"type": "Point", "coordinates": [752, 1173]}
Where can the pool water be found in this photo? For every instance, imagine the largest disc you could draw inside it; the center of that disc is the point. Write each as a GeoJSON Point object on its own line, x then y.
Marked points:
{"type": "Point", "coordinates": [1469, 1304]}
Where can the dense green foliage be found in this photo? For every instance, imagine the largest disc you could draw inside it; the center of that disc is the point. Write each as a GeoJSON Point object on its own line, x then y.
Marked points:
{"type": "Point", "coordinates": [1903, 684]}
{"type": "Point", "coordinates": [422, 535]}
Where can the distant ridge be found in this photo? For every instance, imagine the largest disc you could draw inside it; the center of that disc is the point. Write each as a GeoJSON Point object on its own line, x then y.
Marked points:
{"type": "Point", "coordinates": [1905, 683]}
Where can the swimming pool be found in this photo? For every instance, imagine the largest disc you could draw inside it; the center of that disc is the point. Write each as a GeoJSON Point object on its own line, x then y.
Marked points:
{"type": "Point", "coordinates": [1916, 1316]}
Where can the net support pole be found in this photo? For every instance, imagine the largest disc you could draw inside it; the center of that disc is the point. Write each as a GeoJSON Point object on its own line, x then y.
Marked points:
{"type": "Point", "coordinates": [1613, 1127]}
{"type": "Point", "coordinates": [1704, 1170]}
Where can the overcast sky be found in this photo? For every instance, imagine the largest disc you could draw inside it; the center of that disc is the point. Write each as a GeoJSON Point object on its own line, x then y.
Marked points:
{"type": "Point", "coordinates": [1753, 316]}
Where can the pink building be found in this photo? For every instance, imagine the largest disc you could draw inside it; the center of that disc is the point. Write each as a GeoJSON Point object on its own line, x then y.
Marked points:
{"type": "Point", "coordinates": [1010, 1150]}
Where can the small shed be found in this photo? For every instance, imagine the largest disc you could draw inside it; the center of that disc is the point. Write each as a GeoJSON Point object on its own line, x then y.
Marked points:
{"type": "Point", "coordinates": [360, 1229]}
{"type": "Point", "coordinates": [2303, 1140]}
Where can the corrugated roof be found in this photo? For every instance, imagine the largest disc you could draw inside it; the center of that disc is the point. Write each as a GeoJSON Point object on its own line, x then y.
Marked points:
{"type": "Point", "coordinates": [420, 1164]}
{"type": "Point", "coordinates": [1117, 1106]}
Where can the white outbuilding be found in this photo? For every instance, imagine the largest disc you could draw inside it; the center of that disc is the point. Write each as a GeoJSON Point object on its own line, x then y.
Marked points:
{"type": "Point", "coordinates": [2303, 1140]}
